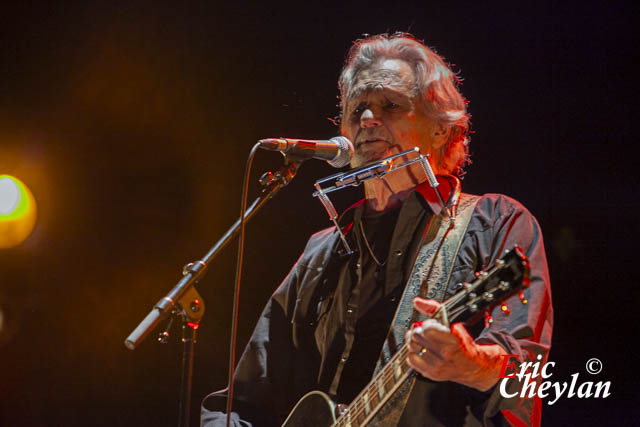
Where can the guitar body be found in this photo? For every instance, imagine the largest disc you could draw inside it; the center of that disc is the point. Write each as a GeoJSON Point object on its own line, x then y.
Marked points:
{"type": "Point", "coordinates": [314, 409]}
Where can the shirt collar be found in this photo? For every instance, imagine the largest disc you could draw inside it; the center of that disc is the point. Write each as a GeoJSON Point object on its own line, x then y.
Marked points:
{"type": "Point", "coordinates": [449, 188]}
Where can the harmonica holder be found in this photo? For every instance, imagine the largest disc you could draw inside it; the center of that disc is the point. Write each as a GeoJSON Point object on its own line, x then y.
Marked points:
{"type": "Point", "coordinates": [377, 169]}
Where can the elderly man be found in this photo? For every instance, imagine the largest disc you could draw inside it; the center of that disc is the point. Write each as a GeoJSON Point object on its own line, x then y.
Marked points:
{"type": "Point", "coordinates": [327, 326]}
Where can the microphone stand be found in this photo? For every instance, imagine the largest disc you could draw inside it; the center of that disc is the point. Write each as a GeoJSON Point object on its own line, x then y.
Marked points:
{"type": "Point", "coordinates": [184, 301]}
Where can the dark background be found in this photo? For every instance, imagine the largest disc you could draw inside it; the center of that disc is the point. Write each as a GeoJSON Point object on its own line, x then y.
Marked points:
{"type": "Point", "coordinates": [131, 125]}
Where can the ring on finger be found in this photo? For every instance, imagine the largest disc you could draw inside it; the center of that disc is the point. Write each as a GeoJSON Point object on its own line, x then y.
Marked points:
{"type": "Point", "coordinates": [422, 351]}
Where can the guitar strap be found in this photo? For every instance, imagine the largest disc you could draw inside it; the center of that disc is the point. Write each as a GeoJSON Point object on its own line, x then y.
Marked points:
{"type": "Point", "coordinates": [429, 278]}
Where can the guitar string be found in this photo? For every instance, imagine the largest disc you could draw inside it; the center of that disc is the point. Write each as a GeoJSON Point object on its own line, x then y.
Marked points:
{"type": "Point", "coordinates": [360, 410]}
{"type": "Point", "coordinates": [387, 375]}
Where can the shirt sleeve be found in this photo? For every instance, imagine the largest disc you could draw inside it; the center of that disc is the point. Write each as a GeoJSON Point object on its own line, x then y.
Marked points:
{"type": "Point", "coordinates": [262, 389]}
{"type": "Point", "coordinates": [526, 331]}
{"type": "Point", "coordinates": [280, 363]}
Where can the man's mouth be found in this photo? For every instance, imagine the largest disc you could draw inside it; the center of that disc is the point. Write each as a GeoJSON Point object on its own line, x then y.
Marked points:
{"type": "Point", "coordinates": [369, 141]}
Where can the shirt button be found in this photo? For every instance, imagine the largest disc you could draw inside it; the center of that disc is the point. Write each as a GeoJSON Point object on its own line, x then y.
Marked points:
{"type": "Point", "coordinates": [343, 359]}
{"type": "Point", "coordinates": [349, 311]}
{"type": "Point", "coordinates": [358, 264]}
{"type": "Point", "coordinates": [392, 298]}
{"type": "Point", "coordinates": [398, 252]}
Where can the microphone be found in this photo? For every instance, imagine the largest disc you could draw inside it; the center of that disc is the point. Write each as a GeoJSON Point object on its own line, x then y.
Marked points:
{"type": "Point", "coordinates": [337, 151]}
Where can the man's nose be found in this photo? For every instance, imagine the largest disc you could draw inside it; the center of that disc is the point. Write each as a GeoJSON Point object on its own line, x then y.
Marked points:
{"type": "Point", "coordinates": [369, 120]}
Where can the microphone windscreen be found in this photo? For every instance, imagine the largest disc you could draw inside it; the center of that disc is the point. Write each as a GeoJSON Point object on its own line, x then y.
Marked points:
{"type": "Point", "coordinates": [345, 152]}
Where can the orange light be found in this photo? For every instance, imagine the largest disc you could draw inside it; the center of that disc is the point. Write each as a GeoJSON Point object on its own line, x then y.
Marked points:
{"type": "Point", "coordinates": [17, 211]}
{"type": "Point", "coordinates": [523, 300]}
{"type": "Point", "coordinates": [193, 325]}
{"type": "Point", "coordinates": [505, 309]}
{"type": "Point", "coordinates": [488, 320]}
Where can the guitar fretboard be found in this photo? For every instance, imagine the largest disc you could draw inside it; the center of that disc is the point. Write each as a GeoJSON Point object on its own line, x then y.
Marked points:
{"type": "Point", "coordinates": [377, 392]}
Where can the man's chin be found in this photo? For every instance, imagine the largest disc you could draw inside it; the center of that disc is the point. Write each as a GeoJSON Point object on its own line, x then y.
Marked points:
{"type": "Point", "coordinates": [358, 161]}
{"type": "Point", "coordinates": [364, 157]}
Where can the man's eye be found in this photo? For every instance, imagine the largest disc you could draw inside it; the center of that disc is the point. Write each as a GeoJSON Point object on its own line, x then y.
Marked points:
{"type": "Point", "coordinates": [359, 109]}
{"type": "Point", "coordinates": [391, 105]}
{"type": "Point", "coordinates": [356, 113]}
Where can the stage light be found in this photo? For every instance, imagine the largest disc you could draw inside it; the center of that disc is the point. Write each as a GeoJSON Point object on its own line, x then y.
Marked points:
{"type": "Point", "coordinates": [17, 211]}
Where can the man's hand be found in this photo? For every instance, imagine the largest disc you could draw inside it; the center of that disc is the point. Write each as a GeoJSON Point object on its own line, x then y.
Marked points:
{"type": "Point", "coordinates": [451, 355]}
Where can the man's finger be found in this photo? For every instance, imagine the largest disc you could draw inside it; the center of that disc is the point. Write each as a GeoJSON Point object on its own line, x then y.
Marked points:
{"type": "Point", "coordinates": [459, 331]}
{"type": "Point", "coordinates": [434, 332]}
{"type": "Point", "coordinates": [425, 364]}
{"type": "Point", "coordinates": [425, 306]}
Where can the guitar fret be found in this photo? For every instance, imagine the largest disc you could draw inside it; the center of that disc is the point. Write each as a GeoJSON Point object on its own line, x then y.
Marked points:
{"type": "Point", "coordinates": [380, 388]}
{"type": "Point", "coordinates": [365, 399]}
{"type": "Point", "coordinates": [398, 369]}
{"type": "Point", "coordinates": [404, 365]}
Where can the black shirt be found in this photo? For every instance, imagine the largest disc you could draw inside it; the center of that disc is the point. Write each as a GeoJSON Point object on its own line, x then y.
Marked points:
{"type": "Point", "coordinates": [375, 312]}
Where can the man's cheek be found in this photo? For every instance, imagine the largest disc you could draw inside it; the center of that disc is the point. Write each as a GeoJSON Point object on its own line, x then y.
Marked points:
{"type": "Point", "coordinates": [349, 131]}
{"type": "Point", "coordinates": [408, 138]}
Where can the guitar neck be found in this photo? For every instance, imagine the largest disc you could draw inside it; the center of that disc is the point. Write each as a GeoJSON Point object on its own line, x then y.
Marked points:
{"type": "Point", "coordinates": [371, 399]}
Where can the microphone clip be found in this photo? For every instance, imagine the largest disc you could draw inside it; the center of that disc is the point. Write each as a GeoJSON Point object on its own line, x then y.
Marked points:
{"type": "Point", "coordinates": [282, 176]}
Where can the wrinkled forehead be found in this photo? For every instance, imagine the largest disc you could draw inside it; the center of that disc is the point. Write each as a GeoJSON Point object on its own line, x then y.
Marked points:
{"type": "Point", "coordinates": [387, 73]}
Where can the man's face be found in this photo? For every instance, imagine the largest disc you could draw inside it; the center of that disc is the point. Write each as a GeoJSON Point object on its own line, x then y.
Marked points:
{"type": "Point", "coordinates": [380, 115]}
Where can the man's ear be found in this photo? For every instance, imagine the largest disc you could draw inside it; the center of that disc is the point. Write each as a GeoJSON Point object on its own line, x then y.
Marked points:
{"type": "Point", "coordinates": [440, 135]}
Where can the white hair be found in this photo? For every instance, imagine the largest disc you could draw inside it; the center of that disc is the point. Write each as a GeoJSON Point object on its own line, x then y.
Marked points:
{"type": "Point", "coordinates": [435, 88]}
